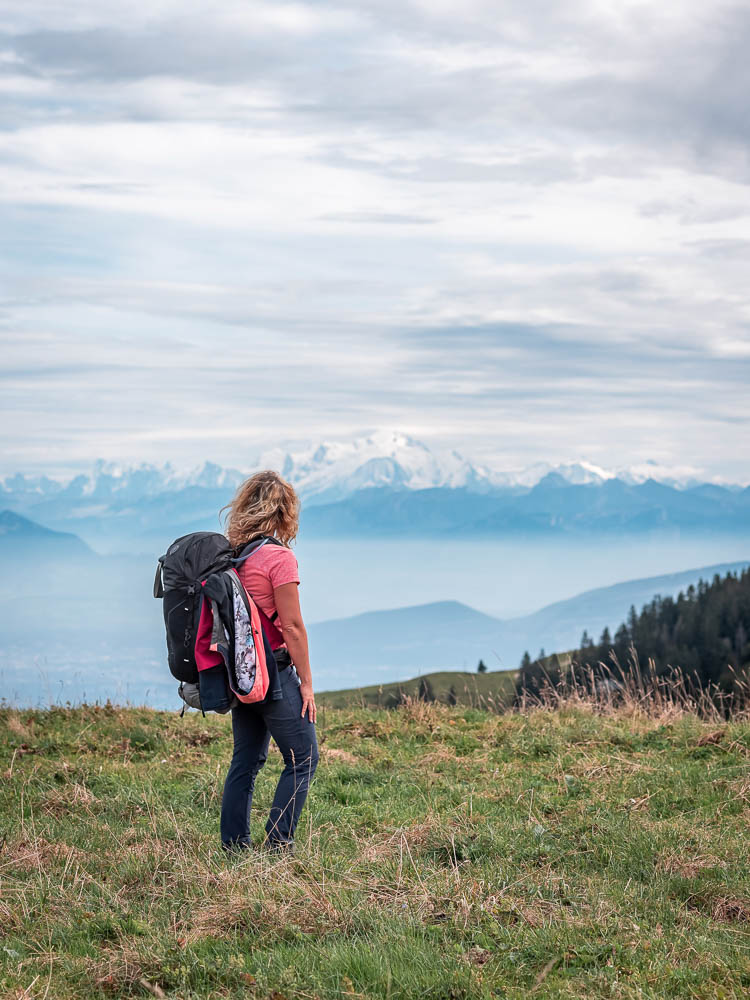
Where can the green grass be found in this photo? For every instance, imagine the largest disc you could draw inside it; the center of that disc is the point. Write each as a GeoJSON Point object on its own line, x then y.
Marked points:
{"type": "Point", "coordinates": [493, 690]}
{"type": "Point", "coordinates": [444, 853]}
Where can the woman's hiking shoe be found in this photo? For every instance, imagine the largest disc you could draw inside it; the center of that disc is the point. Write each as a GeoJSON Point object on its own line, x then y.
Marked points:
{"type": "Point", "coordinates": [237, 847]}
{"type": "Point", "coordinates": [278, 848]}
{"type": "Point", "coordinates": [273, 848]}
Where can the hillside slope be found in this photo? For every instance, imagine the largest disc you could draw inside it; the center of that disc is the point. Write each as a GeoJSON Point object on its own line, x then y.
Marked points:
{"type": "Point", "coordinates": [443, 853]}
{"type": "Point", "coordinates": [493, 689]}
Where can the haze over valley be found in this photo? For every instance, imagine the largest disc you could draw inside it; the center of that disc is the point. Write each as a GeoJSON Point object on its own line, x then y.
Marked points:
{"type": "Point", "coordinates": [414, 559]}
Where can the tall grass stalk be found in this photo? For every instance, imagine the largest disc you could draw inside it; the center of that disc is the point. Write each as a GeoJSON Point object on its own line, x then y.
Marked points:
{"type": "Point", "coordinates": [633, 689]}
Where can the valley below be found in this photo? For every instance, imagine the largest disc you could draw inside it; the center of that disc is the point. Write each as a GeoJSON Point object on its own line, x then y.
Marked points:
{"type": "Point", "coordinates": [441, 605]}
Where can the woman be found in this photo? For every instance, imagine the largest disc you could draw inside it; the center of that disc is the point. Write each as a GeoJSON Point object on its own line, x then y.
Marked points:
{"type": "Point", "coordinates": [267, 505]}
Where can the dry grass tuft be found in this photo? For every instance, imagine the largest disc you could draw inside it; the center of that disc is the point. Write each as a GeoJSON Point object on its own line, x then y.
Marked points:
{"type": "Point", "coordinates": [711, 739]}
{"type": "Point", "coordinates": [267, 899]}
{"type": "Point", "coordinates": [337, 756]}
{"type": "Point", "coordinates": [196, 738]}
{"type": "Point", "coordinates": [675, 863]}
{"type": "Point", "coordinates": [441, 755]}
{"type": "Point", "coordinates": [477, 956]}
{"type": "Point", "coordinates": [401, 841]}
{"type": "Point", "coordinates": [18, 728]}
{"type": "Point", "coordinates": [740, 789]}
{"type": "Point", "coordinates": [370, 729]}
{"type": "Point", "coordinates": [635, 691]}
{"type": "Point", "coordinates": [423, 714]}
{"type": "Point", "coordinates": [117, 971]}
{"type": "Point", "coordinates": [38, 853]}
{"type": "Point", "coordinates": [731, 910]}
{"type": "Point", "coordinates": [69, 798]}
{"type": "Point", "coordinates": [219, 919]}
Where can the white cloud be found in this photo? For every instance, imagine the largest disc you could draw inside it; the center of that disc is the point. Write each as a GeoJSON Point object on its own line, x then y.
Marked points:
{"type": "Point", "coordinates": [519, 225]}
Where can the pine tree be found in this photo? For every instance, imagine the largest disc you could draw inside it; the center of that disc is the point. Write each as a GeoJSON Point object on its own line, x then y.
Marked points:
{"type": "Point", "coordinates": [704, 632]}
{"type": "Point", "coordinates": [632, 621]}
{"type": "Point", "coordinates": [481, 667]}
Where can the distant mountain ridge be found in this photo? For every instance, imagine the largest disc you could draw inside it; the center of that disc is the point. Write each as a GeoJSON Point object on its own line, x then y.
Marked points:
{"type": "Point", "coordinates": [333, 470]}
{"type": "Point", "coordinates": [386, 483]}
{"type": "Point", "coordinates": [553, 506]}
{"type": "Point", "coordinates": [449, 635]}
{"type": "Point", "coordinates": [20, 537]}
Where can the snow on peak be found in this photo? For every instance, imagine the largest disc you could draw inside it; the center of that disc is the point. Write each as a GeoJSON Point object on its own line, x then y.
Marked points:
{"type": "Point", "coordinates": [334, 469]}
{"type": "Point", "coordinates": [577, 473]}
{"type": "Point", "coordinates": [670, 475]}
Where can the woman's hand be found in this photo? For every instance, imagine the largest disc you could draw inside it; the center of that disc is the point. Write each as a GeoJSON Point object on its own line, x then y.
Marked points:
{"type": "Point", "coordinates": [308, 701]}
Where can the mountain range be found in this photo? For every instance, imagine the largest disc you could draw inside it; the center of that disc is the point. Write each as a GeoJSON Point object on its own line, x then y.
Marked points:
{"type": "Point", "coordinates": [553, 506]}
{"type": "Point", "coordinates": [384, 484]}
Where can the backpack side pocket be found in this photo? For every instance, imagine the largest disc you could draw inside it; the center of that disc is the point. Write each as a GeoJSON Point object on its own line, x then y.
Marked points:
{"type": "Point", "coordinates": [215, 695]}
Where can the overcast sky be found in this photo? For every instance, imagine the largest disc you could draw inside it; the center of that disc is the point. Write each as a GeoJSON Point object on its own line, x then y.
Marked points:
{"type": "Point", "coordinates": [518, 229]}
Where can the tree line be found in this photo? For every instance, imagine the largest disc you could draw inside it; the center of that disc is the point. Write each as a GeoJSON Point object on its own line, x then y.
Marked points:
{"type": "Point", "coordinates": [704, 632]}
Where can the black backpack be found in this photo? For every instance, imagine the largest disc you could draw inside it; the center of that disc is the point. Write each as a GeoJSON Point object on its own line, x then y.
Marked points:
{"type": "Point", "coordinates": [180, 572]}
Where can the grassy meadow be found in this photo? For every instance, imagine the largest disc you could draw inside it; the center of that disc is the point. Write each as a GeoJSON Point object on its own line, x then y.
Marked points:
{"type": "Point", "coordinates": [445, 853]}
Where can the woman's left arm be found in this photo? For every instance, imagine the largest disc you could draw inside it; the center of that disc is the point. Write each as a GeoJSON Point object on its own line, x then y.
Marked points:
{"type": "Point", "coordinates": [286, 598]}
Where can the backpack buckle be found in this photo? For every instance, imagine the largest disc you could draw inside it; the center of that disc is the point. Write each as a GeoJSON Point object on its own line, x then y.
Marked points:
{"type": "Point", "coordinates": [191, 589]}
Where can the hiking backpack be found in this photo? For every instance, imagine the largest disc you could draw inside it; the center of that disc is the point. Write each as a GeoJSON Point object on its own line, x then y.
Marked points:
{"type": "Point", "coordinates": [218, 639]}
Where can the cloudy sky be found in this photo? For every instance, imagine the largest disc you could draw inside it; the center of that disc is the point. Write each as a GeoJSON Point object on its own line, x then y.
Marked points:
{"type": "Point", "coordinates": [521, 229]}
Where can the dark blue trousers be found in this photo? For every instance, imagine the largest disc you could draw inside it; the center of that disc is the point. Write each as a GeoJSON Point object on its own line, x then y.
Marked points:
{"type": "Point", "coordinates": [253, 726]}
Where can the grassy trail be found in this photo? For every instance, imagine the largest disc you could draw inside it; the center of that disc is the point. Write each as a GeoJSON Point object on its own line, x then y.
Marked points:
{"type": "Point", "coordinates": [444, 853]}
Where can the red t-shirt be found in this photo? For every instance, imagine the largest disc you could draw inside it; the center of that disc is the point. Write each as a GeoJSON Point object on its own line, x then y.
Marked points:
{"type": "Point", "coordinates": [269, 567]}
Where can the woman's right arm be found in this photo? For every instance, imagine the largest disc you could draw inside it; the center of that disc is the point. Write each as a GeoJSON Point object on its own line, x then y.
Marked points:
{"type": "Point", "coordinates": [286, 599]}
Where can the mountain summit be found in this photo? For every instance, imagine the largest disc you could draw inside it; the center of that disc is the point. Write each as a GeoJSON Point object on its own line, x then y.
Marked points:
{"type": "Point", "coordinates": [327, 472]}
{"type": "Point", "coordinates": [334, 470]}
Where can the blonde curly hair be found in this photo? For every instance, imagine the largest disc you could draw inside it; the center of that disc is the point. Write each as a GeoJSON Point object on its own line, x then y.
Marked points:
{"type": "Point", "coordinates": [265, 504]}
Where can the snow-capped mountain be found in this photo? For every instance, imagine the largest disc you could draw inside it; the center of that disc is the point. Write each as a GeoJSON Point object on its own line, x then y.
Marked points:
{"type": "Point", "coordinates": [583, 472]}
{"type": "Point", "coordinates": [382, 484]}
{"type": "Point", "coordinates": [330, 471]}
{"type": "Point", "coordinates": [679, 476]}
{"type": "Point", "coordinates": [111, 480]}
{"type": "Point", "coordinates": [576, 473]}
{"type": "Point", "coordinates": [334, 470]}
{"type": "Point", "coordinates": [322, 472]}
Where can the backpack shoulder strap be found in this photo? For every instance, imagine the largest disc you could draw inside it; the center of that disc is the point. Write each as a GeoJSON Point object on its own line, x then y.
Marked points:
{"type": "Point", "coordinates": [245, 554]}
{"type": "Point", "coordinates": [270, 628]}
{"type": "Point", "coordinates": [158, 583]}
{"type": "Point", "coordinates": [246, 551]}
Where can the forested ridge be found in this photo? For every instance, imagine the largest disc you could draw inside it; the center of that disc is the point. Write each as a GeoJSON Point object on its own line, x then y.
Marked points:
{"type": "Point", "coordinates": [704, 632]}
